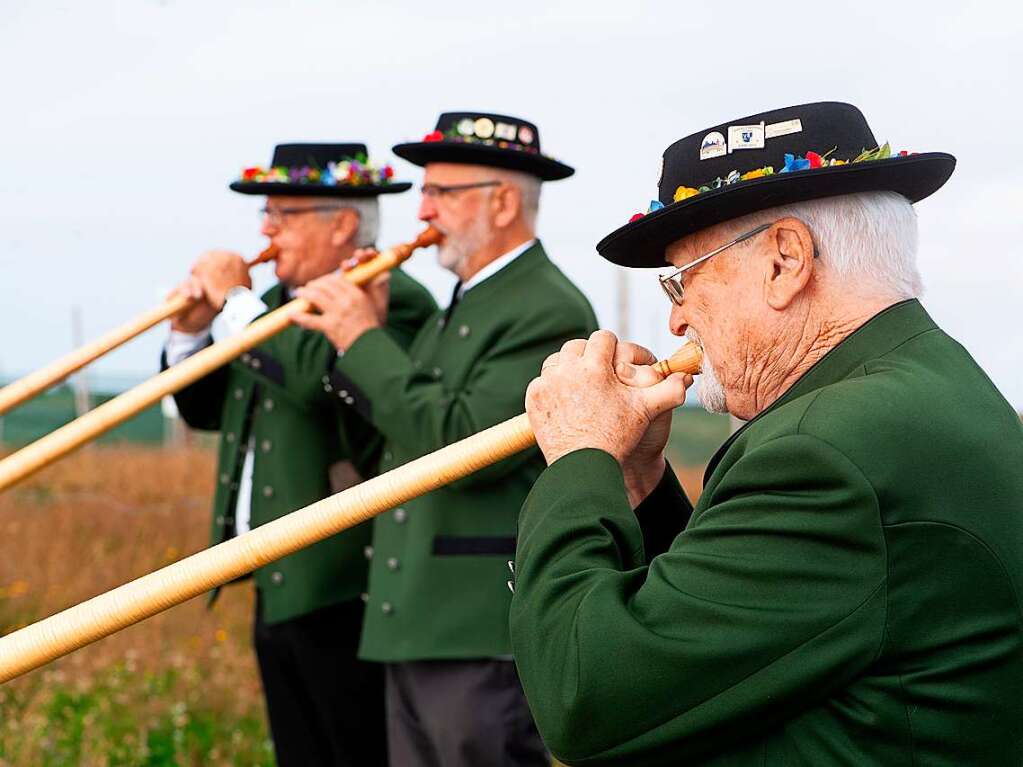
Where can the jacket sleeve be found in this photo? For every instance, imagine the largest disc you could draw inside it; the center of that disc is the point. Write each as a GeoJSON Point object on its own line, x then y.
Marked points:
{"type": "Point", "coordinates": [201, 403]}
{"type": "Point", "coordinates": [771, 598]}
{"type": "Point", "coordinates": [413, 409]}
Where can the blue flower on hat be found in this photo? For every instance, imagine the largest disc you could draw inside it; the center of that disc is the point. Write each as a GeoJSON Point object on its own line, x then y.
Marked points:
{"type": "Point", "coordinates": [794, 163]}
{"type": "Point", "coordinates": [655, 205]}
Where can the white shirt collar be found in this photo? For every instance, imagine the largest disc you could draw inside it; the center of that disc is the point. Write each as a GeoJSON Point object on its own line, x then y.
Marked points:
{"type": "Point", "coordinates": [495, 266]}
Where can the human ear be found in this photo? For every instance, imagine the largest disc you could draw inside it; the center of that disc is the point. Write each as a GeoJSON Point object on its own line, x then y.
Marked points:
{"type": "Point", "coordinates": [345, 224]}
{"type": "Point", "coordinates": [790, 263]}
{"type": "Point", "coordinates": [506, 203]}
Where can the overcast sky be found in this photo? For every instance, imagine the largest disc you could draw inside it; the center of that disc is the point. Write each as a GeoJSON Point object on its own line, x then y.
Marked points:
{"type": "Point", "coordinates": [123, 122]}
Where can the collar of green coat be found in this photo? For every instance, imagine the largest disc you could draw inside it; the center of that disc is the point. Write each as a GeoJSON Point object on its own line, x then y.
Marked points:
{"type": "Point", "coordinates": [883, 332]}
{"type": "Point", "coordinates": [530, 259]}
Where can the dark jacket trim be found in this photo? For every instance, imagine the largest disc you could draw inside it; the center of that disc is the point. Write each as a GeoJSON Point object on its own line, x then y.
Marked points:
{"type": "Point", "coordinates": [448, 545]}
{"type": "Point", "coordinates": [341, 386]}
{"type": "Point", "coordinates": [261, 363]}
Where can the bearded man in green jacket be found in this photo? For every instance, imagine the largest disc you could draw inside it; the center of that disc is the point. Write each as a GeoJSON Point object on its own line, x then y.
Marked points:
{"type": "Point", "coordinates": [847, 589]}
{"type": "Point", "coordinates": [289, 437]}
{"type": "Point", "coordinates": [437, 603]}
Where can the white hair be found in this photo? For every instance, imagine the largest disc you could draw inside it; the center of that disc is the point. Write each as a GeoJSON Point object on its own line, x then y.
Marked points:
{"type": "Point", "coordinates": [368, 210]}
{"type": "Point", "coordinates": [529, 192]}
{"type": "Point", "coordinates": [866, 239]}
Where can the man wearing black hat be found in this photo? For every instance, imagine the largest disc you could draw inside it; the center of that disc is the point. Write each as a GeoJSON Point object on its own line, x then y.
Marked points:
{"type": "Point", "coordinates": [438, 604]}
{"type": "Point", "coordinates": [290, 437]}
{"type": "Point", "coordinates": [847, 590]}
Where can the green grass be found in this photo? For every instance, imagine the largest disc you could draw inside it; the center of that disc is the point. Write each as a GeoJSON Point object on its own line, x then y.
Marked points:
{"type": "Point", "coordinates": [107, 721]}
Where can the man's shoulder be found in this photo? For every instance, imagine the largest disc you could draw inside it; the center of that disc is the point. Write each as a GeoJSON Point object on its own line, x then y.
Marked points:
{"type": "Point", "coordinates": [407, 290]}
{"type": "Point", "coordinates": [550, 291]}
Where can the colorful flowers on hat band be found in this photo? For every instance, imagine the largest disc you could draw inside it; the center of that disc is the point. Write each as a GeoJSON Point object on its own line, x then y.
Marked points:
{"type": "Point", "coordinates": [810, 161]}
{"type": "Point", "coordinates": [453, 136]}
{"type": "Point", "coordinates": [357, 171]}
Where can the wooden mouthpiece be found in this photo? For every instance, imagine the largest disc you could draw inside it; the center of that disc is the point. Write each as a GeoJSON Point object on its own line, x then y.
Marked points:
{"type": "Point", "coordinates": [267, 255]}
{"type": "Point", "coordinates": [686, 360]}
{"type": "Point", "coordinates": [392, 257]}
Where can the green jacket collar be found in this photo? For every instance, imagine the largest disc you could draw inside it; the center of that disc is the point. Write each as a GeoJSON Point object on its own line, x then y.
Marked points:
{"type": "Point", "coordinates": [883, 332]}
{"type": "Point", "coordinates": [532, 258]}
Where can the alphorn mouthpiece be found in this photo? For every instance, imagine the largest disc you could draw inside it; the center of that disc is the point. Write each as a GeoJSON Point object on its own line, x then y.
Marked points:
{"type": "Point", "coordinates": [686, 360]}
{"type": "Point", "coordinates": [267, 255]}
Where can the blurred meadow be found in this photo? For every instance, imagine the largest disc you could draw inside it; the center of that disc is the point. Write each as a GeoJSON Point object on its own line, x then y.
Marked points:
{"type": "Point", "coordinates": [181, 688]}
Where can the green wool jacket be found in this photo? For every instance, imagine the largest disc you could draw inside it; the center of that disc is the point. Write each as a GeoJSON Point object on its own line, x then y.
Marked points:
{"type": "Point", "coordinates": [847, 591]}
{"type": "Point", "coordinates": [301, 425]}
{"type": "Point", "coordinates": [439, 563]}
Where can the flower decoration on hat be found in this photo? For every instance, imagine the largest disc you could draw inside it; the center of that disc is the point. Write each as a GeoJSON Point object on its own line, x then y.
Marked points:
{"type": "Point", "coordinates": [351, 171]}
{"type": "Point", "coordinates": [793, 164]}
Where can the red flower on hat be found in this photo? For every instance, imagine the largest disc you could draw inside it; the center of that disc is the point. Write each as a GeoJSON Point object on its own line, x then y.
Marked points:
{"type": "Point", "coordinates": [815, 159]}
{"type": "Point", "coordinates": [250, 173]}
{"type": "Point", "coordinates": [636, 217]}
{"type": "Point", "coordinates": [387, 172]}
{"type": "Point", "coordinates": [435, 136]}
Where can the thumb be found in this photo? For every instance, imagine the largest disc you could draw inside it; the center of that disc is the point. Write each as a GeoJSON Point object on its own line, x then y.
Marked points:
{"type": "Point", "coordinates": [664, 396]}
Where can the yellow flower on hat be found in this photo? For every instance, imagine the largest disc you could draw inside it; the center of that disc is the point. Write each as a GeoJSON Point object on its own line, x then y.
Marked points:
{"type": "Point", "coordinates": [684, 193]}
{"type": "Point", "coordinates": [765, 171]}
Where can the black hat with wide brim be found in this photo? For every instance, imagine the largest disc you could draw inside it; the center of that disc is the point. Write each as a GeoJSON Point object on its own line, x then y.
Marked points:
{"type": "Point", "coordinates": [480, 138]}
{"type": "Point", "coordinates": [317, 156]}
{"type": "Point", "coordinates": [708, 160]}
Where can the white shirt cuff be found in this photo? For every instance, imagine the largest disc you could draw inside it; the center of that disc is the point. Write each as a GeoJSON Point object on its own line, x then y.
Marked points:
{"type": "Point", "coordinates": [182, 345]}
{"type": "Point", "coordinates": [241, 308]}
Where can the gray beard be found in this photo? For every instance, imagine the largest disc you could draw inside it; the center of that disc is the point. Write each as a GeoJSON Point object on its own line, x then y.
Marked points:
{"type": "Point", "coordinates": [456, 249]}
{"type": "Point", "coordinates": [710, 392]}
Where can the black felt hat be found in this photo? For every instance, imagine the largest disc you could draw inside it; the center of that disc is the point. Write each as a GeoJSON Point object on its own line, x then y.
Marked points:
{"type": "Point", "coordinates": [478, 138]}
{"type": "Point", "coordinates": [320, 170]}
{"type": "Point", "coordinates": [774, 158]}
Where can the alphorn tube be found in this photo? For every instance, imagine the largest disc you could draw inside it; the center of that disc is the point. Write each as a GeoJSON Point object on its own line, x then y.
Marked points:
{"type": "Point", "coordinates": [37, 382]}
{"type": "Point", "coordinates": [62, 633]}
{"type": "Point", "coordinates": [62, 441]}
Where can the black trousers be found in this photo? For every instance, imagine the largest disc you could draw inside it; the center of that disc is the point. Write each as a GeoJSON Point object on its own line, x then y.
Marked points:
{"type": "Point", "coordinates": [325, 706]}
{"type": "Point", "coordinates": [469, 713]}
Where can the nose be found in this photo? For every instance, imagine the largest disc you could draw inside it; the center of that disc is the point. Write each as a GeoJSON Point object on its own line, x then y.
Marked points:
{"type": "Point", "coordinates": [676, 322]}
{"type": "Point", "coordinates": [266, 228]}
{"type": "Point", "coordinates": [427, 209]}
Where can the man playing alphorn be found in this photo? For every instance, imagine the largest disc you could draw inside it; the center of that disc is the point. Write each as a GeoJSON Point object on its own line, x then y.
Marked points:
{"type": "Point", "coordinates": [286, 432]}
{"type": "Point", "coordinates": [847, 589]}
{"type": "Point", "coordinates": [437, 603]}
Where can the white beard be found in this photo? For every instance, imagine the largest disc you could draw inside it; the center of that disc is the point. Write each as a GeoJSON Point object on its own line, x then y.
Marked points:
{"type": "Point", "coordinates": [710, 392]}
{"type": "Point", "coordinates": [456, 249]}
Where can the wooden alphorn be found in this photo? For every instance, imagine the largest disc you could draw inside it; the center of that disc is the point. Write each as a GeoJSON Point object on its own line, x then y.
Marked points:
{"type": "Point", "coordinates": [37, 382]}
{"type": "Point", "coordinates": [62, 441]}
{"type": "Point", "coordinates": [62, 633]}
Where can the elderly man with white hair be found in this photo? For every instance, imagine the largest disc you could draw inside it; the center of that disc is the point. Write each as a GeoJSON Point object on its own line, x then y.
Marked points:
{"type": "Point", "coordinates": [847, 588]}
{"type": "Point", "coordinates": [437, 604]}
{"type": "Point", "coordinates": [289, 438]}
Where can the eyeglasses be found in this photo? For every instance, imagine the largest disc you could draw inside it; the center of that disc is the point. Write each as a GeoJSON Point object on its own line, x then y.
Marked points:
{"type": "Point", "coordinates": [671, 284]}
{"type": "Point", "coordinates": [277, 216]}
{"type": "Point", "coordinates": [435, 191]}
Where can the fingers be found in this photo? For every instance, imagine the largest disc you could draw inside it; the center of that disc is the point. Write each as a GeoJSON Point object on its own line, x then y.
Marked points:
{"type": "Point", "coordinates": [361, 256]}
{"type": "Point", "coordinates": [665, 395]}
{"type": "Point", "coordinates": [573, 348]}
{"type": "Point", "coordinates": [601, 347]}
{"type": "Point", "coordinates": [633, 354]}
{"type": "Point", "coordinates": [310, 321]}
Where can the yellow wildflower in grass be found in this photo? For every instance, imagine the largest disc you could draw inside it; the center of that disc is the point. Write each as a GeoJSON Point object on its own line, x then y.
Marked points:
{"type": "Point", "coordinates": [684, 193]}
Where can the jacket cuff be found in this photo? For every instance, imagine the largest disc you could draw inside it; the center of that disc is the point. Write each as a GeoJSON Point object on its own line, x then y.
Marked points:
{"type": "Point", "coordinates": [370, 374]}
{"type": "Point", "coordinates": [663, 514]}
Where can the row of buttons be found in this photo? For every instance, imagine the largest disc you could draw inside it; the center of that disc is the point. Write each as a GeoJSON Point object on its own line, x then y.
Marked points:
{"type": "Point", "coordinates": [341, 393]}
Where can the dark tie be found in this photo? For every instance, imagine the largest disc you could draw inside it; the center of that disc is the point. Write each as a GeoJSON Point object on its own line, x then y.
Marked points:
{"type": "Point", "coordinates": [455, 296]}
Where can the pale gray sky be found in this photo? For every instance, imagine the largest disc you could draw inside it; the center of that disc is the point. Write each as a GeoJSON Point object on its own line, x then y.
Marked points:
{"type": "Point", "coordinates": [123, 122]}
